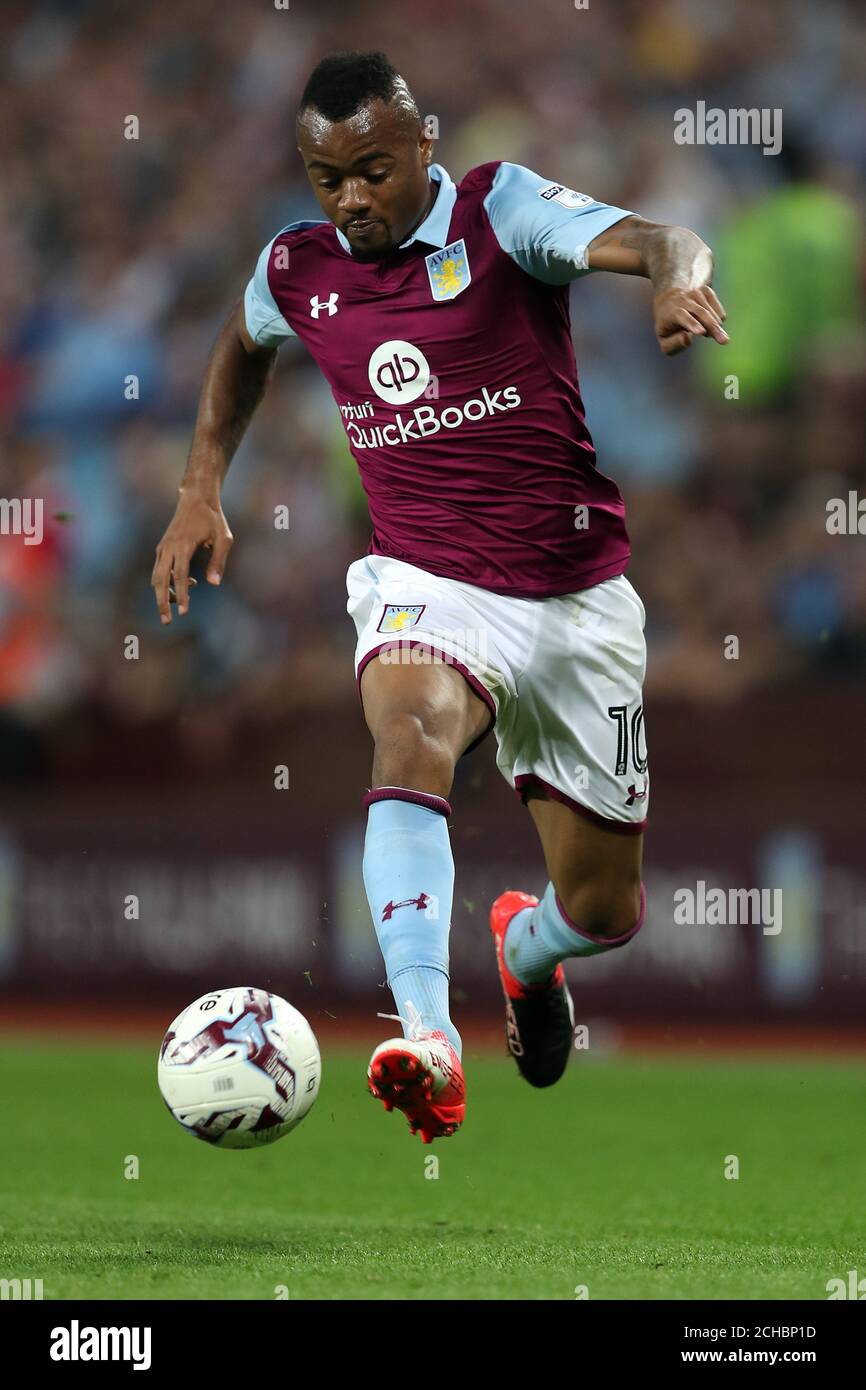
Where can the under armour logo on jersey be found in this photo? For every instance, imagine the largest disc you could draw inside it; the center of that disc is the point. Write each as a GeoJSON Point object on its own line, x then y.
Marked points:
{"type": "Point", "coordinates": [420, 903]}
{"type": "Point", "coordinates": [317, 305]}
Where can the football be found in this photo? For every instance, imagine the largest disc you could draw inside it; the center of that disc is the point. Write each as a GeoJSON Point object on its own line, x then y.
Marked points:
{"type": "Point", "coordinates": [239, 1068]}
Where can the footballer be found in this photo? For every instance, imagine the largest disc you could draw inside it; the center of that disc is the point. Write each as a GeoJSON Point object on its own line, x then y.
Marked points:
{"type": "Point", "coordinates": [493, 595]}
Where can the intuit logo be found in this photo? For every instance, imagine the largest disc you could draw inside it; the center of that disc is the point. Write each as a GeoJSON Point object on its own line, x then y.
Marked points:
{"type": "Point", "coordinates": [364, 411]}
{"type": "Point", "coordinates": [76, 1343]}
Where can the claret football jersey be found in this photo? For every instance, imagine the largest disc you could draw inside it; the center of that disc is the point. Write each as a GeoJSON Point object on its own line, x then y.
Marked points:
{"type": "Point", "coordinates": [452, 366]}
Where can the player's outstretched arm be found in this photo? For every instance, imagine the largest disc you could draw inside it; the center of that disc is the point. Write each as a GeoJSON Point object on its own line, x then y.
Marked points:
{"type": "Point", "coordinates": [680, 267]}
{"type": "Point", "coordinates": [235, 379]}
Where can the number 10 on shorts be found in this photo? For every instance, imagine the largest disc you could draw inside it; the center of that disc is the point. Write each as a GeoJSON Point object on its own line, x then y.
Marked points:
{"type": "Point", "coordinates": [637, 745]}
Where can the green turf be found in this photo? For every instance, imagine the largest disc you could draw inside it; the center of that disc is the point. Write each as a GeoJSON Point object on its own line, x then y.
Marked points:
{"type": "Point", "coordinates": [613, 1180]}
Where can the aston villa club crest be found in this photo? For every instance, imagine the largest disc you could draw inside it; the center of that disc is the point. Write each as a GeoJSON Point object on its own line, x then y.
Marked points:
{"type": "Point", "coordinates": [448, 270]}
{"type": "Point", "coordinates": [398, 616]}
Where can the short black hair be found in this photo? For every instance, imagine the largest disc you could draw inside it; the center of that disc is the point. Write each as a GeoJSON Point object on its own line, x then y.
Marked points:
{"type": "Point", "coordinates": [344, 82]}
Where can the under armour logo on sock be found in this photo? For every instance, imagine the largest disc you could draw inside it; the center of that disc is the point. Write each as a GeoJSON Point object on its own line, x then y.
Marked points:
{"type": "Point", "coordinates": [420, 903]}
{"type": "Point", "coordinates": [317, 305]}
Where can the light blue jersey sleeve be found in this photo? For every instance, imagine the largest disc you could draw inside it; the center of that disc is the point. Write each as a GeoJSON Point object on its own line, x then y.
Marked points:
{"type": "Point", "coordinates": [546, 227]}
{"type": "Point", "coordinates": [265, 324]}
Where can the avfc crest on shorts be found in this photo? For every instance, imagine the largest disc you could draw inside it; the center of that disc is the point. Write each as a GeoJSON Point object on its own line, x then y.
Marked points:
{"type": "Point", "coordinates": [448, 270]}
{"type": "Point", "coordinates": [398, 616]}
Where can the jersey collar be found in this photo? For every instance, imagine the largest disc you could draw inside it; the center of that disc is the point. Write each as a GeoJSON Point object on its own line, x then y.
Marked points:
{"type": "Point", "coordinates": [434, 229]}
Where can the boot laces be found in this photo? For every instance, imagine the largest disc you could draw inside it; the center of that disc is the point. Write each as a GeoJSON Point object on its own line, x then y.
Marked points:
{"type": "Point", "coordinates": [414, 1023]}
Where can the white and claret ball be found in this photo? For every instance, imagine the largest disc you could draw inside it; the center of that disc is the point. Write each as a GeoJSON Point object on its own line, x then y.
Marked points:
{"type": "Point", "coordinates": [239, 1068]}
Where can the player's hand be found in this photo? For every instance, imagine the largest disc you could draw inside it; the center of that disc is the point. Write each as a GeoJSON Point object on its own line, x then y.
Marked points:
{"type": "Point", "coordinates": [681, 315]}
{"type": "Point", "coordinates": [198, 521]}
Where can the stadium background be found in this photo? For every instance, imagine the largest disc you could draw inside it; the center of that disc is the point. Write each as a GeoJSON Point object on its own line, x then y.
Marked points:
{"type": "Point", "coordinates": [155, 777]}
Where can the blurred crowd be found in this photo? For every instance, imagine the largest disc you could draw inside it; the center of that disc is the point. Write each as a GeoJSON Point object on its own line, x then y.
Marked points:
{"type": "Point", "coordinates": [120, 257]}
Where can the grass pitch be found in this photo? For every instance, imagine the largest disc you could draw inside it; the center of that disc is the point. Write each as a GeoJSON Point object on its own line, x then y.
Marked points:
{"type": "Point", "coordinates": [613, 1180]}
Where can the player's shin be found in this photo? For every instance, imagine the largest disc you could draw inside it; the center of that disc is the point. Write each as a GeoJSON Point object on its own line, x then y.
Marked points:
{"type": "Point", "coordinates": [539, 938]}
{"type": "Point", "coordinates": [409, 878]}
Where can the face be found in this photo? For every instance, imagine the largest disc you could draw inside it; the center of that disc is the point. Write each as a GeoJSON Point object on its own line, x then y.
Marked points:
{"type": "Point", "coordinates": [369, 174]}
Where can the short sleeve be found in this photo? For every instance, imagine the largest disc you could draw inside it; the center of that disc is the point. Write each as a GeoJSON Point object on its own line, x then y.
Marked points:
{"type": "Point", "coordinates": [546, 227]}
{"type": "Point", "coordinates": [265, 324]}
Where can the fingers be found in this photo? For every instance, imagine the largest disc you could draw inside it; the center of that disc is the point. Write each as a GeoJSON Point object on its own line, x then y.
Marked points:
{"type": "Point", "coordinates": [673, 343]}
{"type": "Point", "coordinates": [700, 319]}
{"type": "Point", "coordinates": [685, 318]}
{"type": "Point", "coordinates": [714, 302]}
{"type": "Point", "coordinates": [172, 596]}
{"type": "Point", "coordinates": [219, 555]}
{"type": "Point", "coordinates": [711, 322]}
{"type": "Point", "coordinates": [180, 576]}
{"type": "Point", "coordinates": [171, 582]}
{"type": "Point", "coordinates": [707, 308]}
{"type": "Point", "coordinates": [196, 523]}
{"type": "Point", "coordinates": [698, 313]}
{"type": "Point", "coordinates": [160, 583]}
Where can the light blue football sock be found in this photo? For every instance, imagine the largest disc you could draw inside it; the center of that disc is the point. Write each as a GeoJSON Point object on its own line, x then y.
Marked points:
{"type": "Point", "coordinates": [538, 938]}
{"type": "Point", "coordinates": [409, 878]}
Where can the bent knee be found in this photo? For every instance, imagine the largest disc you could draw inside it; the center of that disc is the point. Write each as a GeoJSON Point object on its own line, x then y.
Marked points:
{"type": "Point", "coordinates": [603, 909]}
{"type": "Point", "coordinates": [412, 750]}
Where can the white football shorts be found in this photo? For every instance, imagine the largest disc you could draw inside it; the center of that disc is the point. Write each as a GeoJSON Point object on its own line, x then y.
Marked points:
{"type": "Point", "coordinates": [562, 677]}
